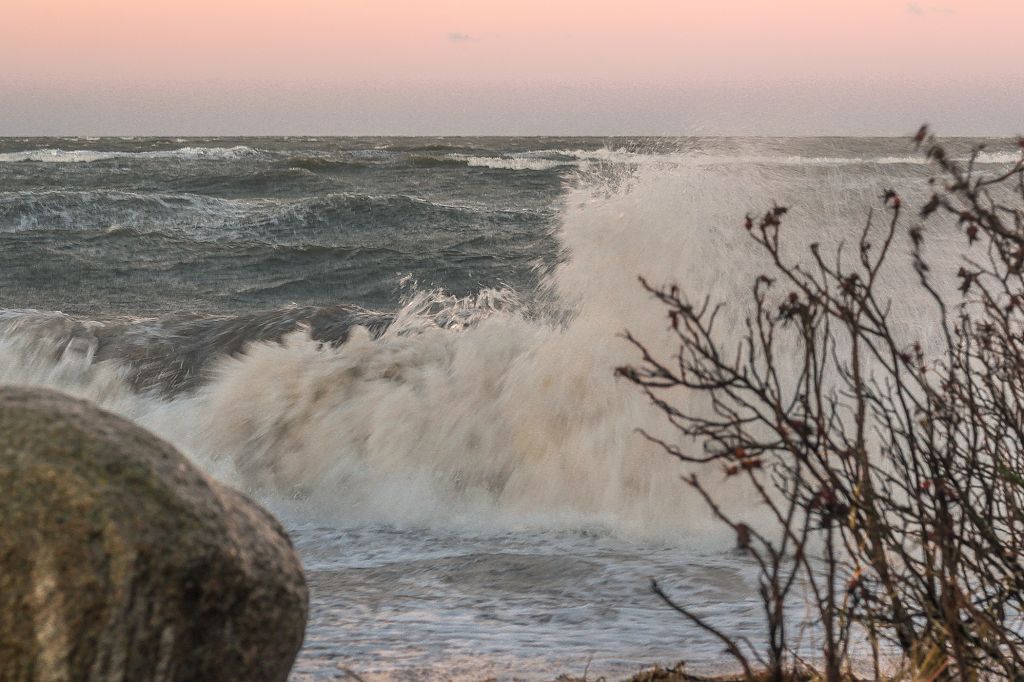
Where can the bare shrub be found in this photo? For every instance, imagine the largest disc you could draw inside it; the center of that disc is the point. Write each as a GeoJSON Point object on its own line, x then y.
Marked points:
{"type": "Point", "coordinates": [894, 472]}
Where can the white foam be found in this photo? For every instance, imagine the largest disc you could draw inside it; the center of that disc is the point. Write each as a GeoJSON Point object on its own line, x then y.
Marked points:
{"type": "Point", "coordinates": [506, 163]}
{"type": "Point", "coordinates": [88, 156]}
{"type": "Point", "coordinates": [549, 159]}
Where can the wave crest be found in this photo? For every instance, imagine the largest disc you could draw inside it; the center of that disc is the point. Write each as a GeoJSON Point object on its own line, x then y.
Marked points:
{"type": "Point", "coordinates": [90, 156]}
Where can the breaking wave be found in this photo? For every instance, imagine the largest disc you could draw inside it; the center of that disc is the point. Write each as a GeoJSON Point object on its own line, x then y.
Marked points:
{"type": "Point", "coordinates": [547, 160]}
{"type": "Point", "coordinates": [479, 411]}
{"type": "Point", "coordinates": [89, 156]}
{"type": "Point", "coordinates": [513, 163]}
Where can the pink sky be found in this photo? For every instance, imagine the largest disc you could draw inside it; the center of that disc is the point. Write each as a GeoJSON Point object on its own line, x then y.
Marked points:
{"type": "Point", "coordinates": [147, 54]}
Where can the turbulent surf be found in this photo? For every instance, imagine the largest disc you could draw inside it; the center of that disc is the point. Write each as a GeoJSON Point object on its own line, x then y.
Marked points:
{"type": "Point", "coordinates": [406, 348]}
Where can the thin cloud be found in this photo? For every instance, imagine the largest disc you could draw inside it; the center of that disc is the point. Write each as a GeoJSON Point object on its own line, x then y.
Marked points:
{"type": "Point", "coordinates": [457, 37]}
{"type": "Point", "coordinates": [916, 9]}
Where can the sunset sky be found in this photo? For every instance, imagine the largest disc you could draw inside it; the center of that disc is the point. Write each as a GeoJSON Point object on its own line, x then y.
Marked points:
{"type": "Point", "coordinates": [510, 67]}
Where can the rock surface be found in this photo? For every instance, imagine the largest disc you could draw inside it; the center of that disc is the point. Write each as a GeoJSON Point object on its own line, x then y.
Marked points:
{"type": "Point", "coordinates": [119, 560]}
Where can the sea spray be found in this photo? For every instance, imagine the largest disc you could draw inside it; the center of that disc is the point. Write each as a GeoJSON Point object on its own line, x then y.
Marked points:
{"type": "Point", "coordinates": [509, 421]}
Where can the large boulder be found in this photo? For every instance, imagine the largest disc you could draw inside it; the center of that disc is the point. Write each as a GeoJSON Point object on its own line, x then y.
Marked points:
{"type": "Point", "coordinates": [119, 560]}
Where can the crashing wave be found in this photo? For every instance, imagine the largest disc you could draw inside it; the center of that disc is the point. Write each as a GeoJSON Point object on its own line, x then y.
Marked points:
{"type": "Point", "coordinates": [481, 411]}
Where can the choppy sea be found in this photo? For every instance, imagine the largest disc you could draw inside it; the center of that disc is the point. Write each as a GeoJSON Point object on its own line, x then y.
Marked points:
{"type": "Point", "coordinates": [405, 348]}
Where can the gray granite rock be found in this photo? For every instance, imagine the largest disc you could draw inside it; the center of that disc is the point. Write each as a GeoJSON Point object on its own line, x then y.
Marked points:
{"type": "Point", "coordinates": [119, 560]}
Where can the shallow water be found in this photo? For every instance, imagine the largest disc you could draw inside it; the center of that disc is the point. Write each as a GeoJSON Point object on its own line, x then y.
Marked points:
{"type": "Point", "coordinates": [422, 605]}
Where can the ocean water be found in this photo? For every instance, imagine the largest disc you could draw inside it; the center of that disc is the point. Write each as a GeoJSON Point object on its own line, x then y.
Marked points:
{"type": "Point", "coordinates": [405, 348]}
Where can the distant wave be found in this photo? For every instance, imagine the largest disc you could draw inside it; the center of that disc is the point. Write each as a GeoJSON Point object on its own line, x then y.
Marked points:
{"type": "Point", "coordinates": [324, 164]}
{"type": "Point", "coordinates": [425, 161]}
{"type": "Point", "coordinates": [999, 157]}
{"type": "Point", "coordinates": [453, 148]}
{"type": "Point", "coordinates": [105, 208]}
{"type": "Point", "coordinates": [89, 155]}
{"type": "Point", "coordinates": [206, 218]}
{"type": "Point", "coordinates": [513, 163]}
{"type": "Point", "coordinates": [534, 160]}
{"type": "Point", "coordinates": [550, 159]}
{"type": "Point", "coordinates": [365, 211]}
{"type": "Point", "coordinates": [983, 158]}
